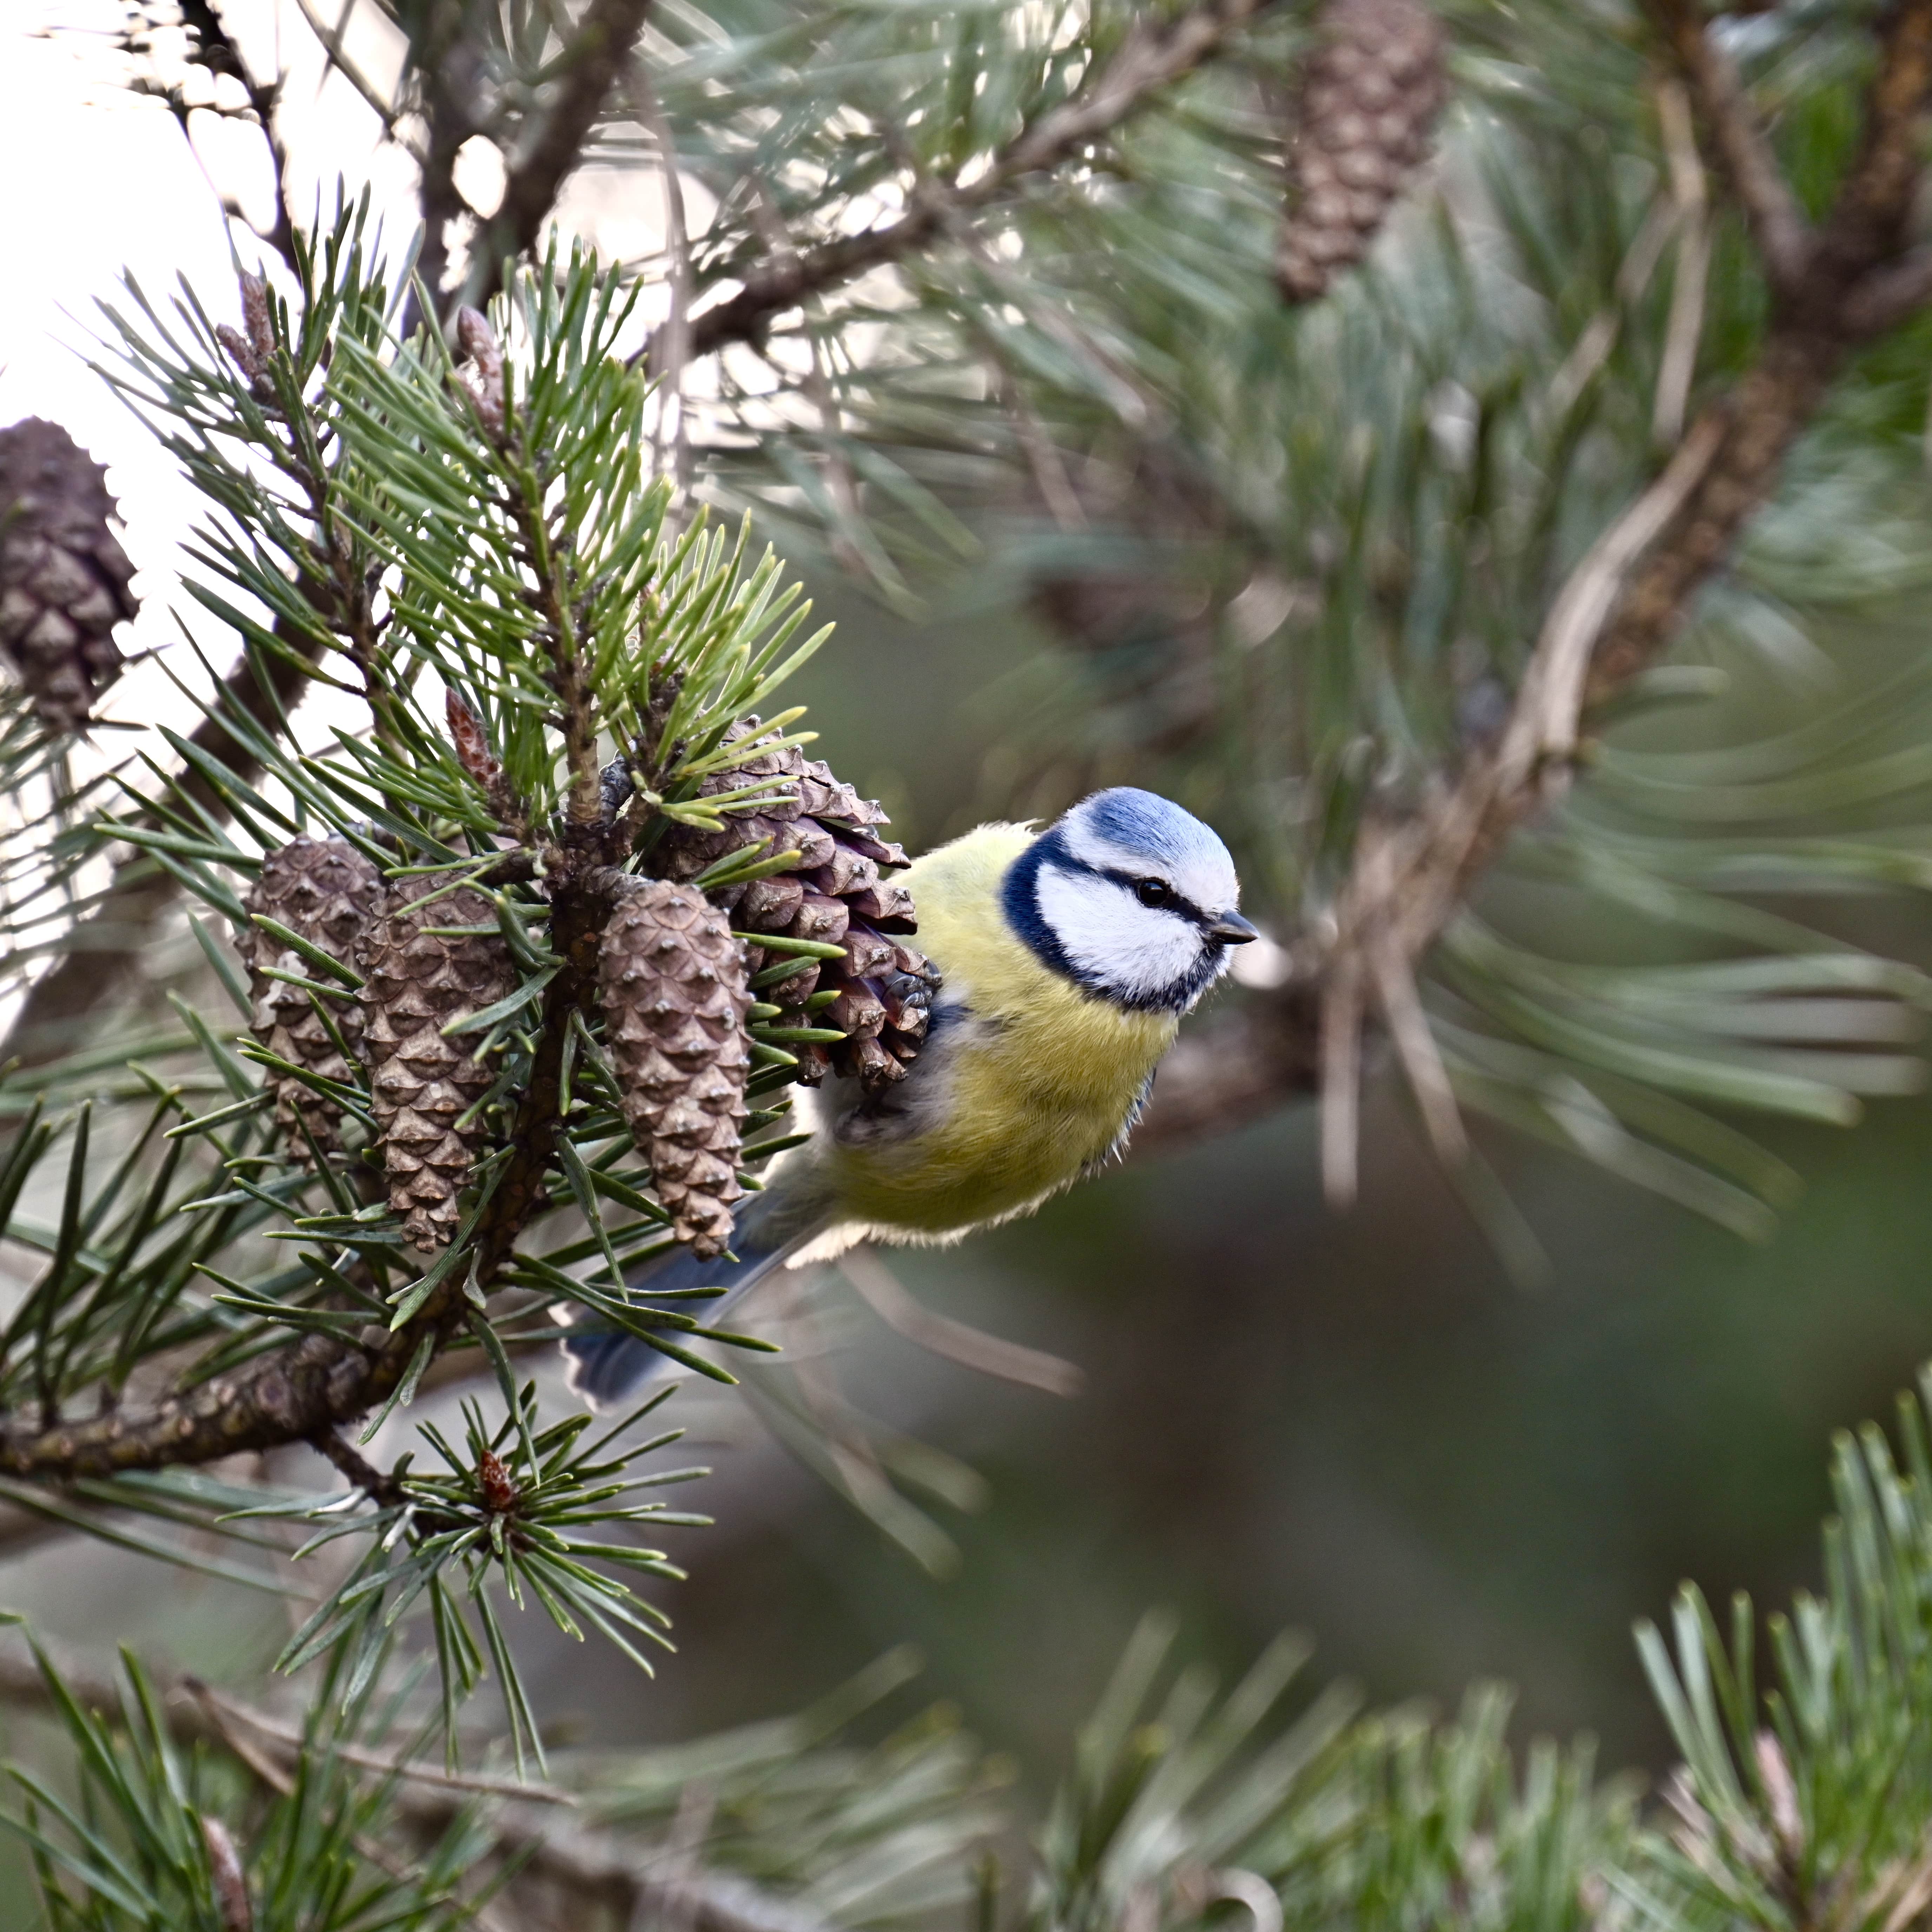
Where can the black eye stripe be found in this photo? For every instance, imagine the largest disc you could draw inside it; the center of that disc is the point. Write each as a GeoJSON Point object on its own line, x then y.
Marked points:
{"type": "Point", "coordinates": [1175, 903]}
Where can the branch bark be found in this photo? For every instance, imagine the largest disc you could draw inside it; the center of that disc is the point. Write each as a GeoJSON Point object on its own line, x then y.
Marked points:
{"type": "Point", "coordinates": [599, 54]}
{"type": "Point", "coordinates": [1154, 55]}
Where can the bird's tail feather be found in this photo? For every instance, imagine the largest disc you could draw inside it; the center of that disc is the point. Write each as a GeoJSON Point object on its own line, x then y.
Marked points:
{"type": "Point", "coordinates": [606, 1365]}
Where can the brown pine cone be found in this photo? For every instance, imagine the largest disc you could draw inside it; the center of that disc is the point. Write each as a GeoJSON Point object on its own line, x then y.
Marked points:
{"type": "Point", "coordinates": [1369, 99]}
{"type": "Point", "coordinates": [417, 981]}
{"type": "Point", "coordinates": [672, 981]}
{"type": "Point", "coordinates": [837, 895]}
{"type": "Point", "coordinates": [327, 891]}
{"type": "Point", "coordinates": [64, 578]}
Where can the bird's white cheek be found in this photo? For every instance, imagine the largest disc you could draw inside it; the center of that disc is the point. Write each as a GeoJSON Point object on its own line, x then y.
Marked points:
{"type": "Point", "coordinates": [1134, 951]}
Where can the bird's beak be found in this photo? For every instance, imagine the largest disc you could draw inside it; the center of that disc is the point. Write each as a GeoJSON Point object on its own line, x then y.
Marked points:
{"type": "Point", "coordinates": [1231, 929]}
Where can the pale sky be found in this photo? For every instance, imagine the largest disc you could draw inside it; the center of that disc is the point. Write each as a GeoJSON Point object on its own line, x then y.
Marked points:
{"type": "Point", "coordinates": [101, 183]}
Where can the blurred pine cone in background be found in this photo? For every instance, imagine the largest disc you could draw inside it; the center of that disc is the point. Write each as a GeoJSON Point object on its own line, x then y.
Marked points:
{"type": "Point", "coordinates": [63, 577]}
{"type": "Point", "coordinates": [1370, 97]}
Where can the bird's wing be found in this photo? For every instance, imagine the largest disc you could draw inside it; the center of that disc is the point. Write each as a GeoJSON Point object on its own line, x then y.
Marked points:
{"type": "Point", "coordinates": [606, 1365]}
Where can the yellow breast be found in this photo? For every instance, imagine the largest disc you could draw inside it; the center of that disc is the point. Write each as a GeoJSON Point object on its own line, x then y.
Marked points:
{"type": "Point", "coordinates": [1037, 1081]}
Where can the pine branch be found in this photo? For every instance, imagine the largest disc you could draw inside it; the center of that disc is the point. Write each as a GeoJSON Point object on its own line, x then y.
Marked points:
{"type": "Point", "coordinates": [104, 952]}
{"type": "Point", "coordinates": [1783, 238]}
{"type": "Point", "coordinates": [299, 1392]}
{"type": "Point", "coordinates": [590, 69]}
{"type": "Point", "coordinates": [1410, 876]}
{"type": "Point", "coordinates": [591, 1868]}
{"type": "Point", "coordinates": [1153, 55]}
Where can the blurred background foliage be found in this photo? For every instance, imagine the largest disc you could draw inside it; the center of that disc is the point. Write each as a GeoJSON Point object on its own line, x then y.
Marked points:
{"type": "Point", "coordinates": [1454, 1434]}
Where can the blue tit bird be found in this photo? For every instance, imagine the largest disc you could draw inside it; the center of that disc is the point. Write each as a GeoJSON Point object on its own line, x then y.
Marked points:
{"type": "Point", "coordinates": [1068, 957]}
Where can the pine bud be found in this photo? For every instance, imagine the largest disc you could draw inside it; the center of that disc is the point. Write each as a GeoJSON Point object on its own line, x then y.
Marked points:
{"type": "Point", "coordinates": [1368, 102]}
{"type": "Point", "coordinates": [421, 1085]}
{"type": "Point", "coordinates": [496, 1486]}
{"type": "Point", "coordinates": [250, 352]}
{"type": "Point", "coordinates": [472, 743]}
{"type": "Point", "coordinates": [327, 892]}
{"type": "Point", "coordinates": [478, 757]}
{"type": "Point", "coordinates": [64, 578]}
{"type": "Point", "coordinates": [227, 1879]}
{"type": "Point", "coordinates": [482, 377]}
{"type": "Point", "coordinates": [672, 982]}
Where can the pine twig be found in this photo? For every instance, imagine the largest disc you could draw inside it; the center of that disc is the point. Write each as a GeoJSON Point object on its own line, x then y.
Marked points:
{"type": "Point", "coordinates": [885, 1295]}
{"type": "Point", "coordinates": [595, 1867]}
{"type": "Point", "coordinates": [599, 52]}
{"type": "Point", "coordinates": [1684, 329]}
{"type": "Point", "coordinates": [339, 62]}
{"type": "Point", "coordinates": [1153, 55]}
{"type": "Point", "coordinates": [266, 1772]}
{"type": "Point", "coordinates": [1783, 238]}
{"type": "Point", "coordinates": [285, 1740]}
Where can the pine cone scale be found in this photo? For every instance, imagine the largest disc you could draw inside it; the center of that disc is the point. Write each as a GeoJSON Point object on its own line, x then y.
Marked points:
{"type": "Point", "coordinates": [834, 895]}
{"type": "Point", "coordinates": [328, 892]}
{"type": "Point", "coordinates": [672, 981]}
{"type": "Point", "coordinates": [422, 1083]}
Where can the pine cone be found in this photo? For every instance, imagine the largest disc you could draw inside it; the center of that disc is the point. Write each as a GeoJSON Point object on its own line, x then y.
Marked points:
{"type": "Point", "coordinates": [64, 579]}
{"type": "Point", "coordinates": [327, 891]}
{"type": "Point", "coordinates": [672, 980]}
{"type": "Point", "coordinates": [417, 981]}
{"type": "Point", "coordinates": [836, 894]}
{"type": "Point", "coordinates": [1368, 102]}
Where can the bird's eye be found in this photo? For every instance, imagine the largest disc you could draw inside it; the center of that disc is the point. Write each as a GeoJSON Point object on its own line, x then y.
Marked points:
{"type": "Point", "coordinates": [1152, 892]}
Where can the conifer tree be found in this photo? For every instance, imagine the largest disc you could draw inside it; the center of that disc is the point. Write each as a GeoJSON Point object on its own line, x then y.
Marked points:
{"type": "Point", "coordinates": [1384, 404]}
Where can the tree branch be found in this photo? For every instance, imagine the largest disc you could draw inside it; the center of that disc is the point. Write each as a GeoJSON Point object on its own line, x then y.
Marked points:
{"type": "Point", "coordinates": [1888, 296]}
{"type": "Point", "coordinates": [1154, 55]}
{"type": "Point", "coordinates": [216, 52]}
{"type": "Point", "coordinates": [297, 1392]}
{"type": "Point", "coordinates": [1874, 205]}
{"type": "Point", "coordinates": [451, 67]}
{"type": "Point", "coordinates": [597, 56]}
{"type": "Point", "coordinates": [593, 1866]}
{"type": "Point", "coordinates": [1784, 241]}
{"type": "Point", "coordinates": [1618, 608]}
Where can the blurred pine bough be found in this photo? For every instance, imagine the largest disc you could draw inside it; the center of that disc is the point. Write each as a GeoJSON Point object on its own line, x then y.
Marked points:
{"type": "Point", "coordinates": [1366, 580]}
{"type": "Point", "coordinates": [1801, 1803]}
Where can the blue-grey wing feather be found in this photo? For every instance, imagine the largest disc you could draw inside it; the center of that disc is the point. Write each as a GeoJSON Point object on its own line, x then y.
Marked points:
{"type": "Point", "coordinates": [606, 1365]}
